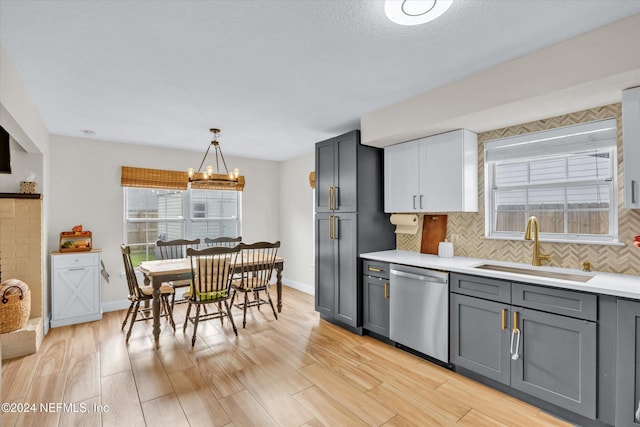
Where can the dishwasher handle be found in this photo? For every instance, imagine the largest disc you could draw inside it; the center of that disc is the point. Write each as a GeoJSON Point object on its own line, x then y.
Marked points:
{"type": "Point", "coordinates": [424, 278]}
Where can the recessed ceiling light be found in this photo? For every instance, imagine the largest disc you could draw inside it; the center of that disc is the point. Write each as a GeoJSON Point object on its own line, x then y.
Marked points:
{"type": "Point", "coordinates": [415, 12]}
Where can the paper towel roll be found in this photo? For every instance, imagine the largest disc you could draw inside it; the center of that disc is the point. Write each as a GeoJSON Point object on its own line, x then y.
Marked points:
{"type": "Point", "coordinates": [405, 223]}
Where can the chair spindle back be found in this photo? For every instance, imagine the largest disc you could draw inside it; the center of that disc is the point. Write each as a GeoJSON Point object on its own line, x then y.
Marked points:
{"type": "Point", "coordinates": [212, 270]}
{"type": "Point", "coordinates": [258, 261]}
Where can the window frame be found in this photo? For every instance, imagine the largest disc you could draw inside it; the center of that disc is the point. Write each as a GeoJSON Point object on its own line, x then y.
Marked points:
{"type": "Point", "coordinates": [186, 220]}
{"type": "Point", "coordinates": [492, 191]}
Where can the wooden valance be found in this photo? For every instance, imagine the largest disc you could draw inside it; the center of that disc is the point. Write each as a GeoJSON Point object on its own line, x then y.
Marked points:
{"type": "Point", "coordinates": [171, 180]}
{"type": "Point", "coordinates": [312, 179]}
{"type": "Point", "coordinates": [153, 178]}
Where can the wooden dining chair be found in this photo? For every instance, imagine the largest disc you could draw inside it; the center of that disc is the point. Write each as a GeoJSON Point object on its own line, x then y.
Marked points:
{"type": "Point", "coordinates": [212, 272]}
{"type": "Point", "coordinates": [138, 294]}
{"type": "Point", "coordinates": [176, 249]}
{"type": "Point", "coordinates": [227, 242]}
{"type": "Point", "coordinates": [258, 261]}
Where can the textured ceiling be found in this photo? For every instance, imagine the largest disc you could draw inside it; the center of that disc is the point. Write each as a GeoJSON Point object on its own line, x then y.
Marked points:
{"type": "Point", "coordinates": [276, 76]}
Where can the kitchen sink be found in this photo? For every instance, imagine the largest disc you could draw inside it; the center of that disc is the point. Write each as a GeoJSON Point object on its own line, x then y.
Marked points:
{"type": "Point", "coordinates": [535, 272]}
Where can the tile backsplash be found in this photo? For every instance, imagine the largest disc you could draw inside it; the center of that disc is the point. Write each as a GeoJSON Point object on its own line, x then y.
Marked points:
{"type": "Point", "coordinates": [466, 230]}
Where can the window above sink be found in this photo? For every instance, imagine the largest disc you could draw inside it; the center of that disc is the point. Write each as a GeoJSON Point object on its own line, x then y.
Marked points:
{"type": "Point", "coordinates": [566, 177]}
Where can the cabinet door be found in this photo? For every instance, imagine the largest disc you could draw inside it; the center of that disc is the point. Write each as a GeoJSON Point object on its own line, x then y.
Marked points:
{"type": "Point", "coordinates": [76, 292]}
{"type": "Point", "coordinates": [441, 162]}
{"type": "Point", "coordinates": [449, 172]}
{"type": "Point", "coordinates": [480, 335]}
{"type": "Point", "coordinates": [325, 265]}
{"type": "Point", "coordinates": [631, 145]}
{"type": "Point", "coordinates": [557, 360]}
{"type": "Point", "coordinates": [348, 295]}
{"type": "Point", "coordinates": [628, 364]}
{"type": "Point", "coordinates": [401, 173]}
{"type": "Point", "coordinates": [325, 173]}
{"type": "Point", "coordinates": [346, 171]}
{"type": "Point", "coordinates": [375, 305]}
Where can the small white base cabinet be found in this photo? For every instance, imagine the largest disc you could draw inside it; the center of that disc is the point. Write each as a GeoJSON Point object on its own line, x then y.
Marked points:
{"type": "Point", "coordinates": [75, 288]}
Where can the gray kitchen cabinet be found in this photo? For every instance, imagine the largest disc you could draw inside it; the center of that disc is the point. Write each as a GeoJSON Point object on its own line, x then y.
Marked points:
{"type": "Point", "coordinates": [545, 354]}
{"type": "Point", "coordinates": [556, 360]}
{"type": "Point", "coordinates": [336, 290]}
{"type": "Point", "coordinates": [325, 265]}
{"type": "Point", "coordinates": [628, 364]}
{"type": "Point", "coordinates": [480, 334]}
{"type": "Point", "coordinates": [336, 167]}
{"type": "Point", "coordinates": [349, 220]}
{"type": "Point", "coordinates": [375, 297]}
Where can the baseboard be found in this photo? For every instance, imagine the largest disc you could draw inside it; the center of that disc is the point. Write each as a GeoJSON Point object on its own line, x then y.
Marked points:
{"type": "Point", "coordinates": [115, 305]}
{"type": "Point", "coordinates": [124, 304]}
{"type": "Point", "coordinates": [302, 287]}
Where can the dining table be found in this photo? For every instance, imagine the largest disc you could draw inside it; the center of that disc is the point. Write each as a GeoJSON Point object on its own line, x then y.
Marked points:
{"type": "Point", "coordinates": [156, 272]}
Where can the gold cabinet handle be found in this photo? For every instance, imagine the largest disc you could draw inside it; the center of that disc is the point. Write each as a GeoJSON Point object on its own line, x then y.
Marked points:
{"type": "Point", "coordinates": [515, 321]}
{"type": "Point", "coordinates": [335, 228]}
{"type": "Point", "coordinates": [386, 290]}
{"type": "Point", "coordinates": [377, 270]}
{"type": "Point", "coordinates": [329, 203]}
{"type": "Point", "coordinates": [335, 198]}
{"type": "Point", "coordinates": [331, 227]}
{"type": "Point", "coordinates": [504, 315]}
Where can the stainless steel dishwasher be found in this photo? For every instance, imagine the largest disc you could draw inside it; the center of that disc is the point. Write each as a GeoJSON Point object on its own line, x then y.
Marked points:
{"type": "Point", "coordinates": [419, 310]}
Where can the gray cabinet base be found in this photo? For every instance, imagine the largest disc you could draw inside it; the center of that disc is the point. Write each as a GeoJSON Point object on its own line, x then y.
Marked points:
{"type": "Point", "coordinates": [331, 319]}
{"type": "Point", "coordinates": [545, 406]}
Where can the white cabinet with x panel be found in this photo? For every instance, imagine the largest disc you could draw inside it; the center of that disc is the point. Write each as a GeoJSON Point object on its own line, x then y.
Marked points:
{"type": "Point", "coordinates": [75, 288]}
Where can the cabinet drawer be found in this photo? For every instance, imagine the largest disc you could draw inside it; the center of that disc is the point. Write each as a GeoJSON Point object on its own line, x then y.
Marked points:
{"type": "Point", "coordinates": [560, 301]}
{"type": "Point", "coordinates": [481, 287]}
{"type": "Point", "coordinates": [375, 268]}
{"type": "Point", "coordinates": [76, 260]}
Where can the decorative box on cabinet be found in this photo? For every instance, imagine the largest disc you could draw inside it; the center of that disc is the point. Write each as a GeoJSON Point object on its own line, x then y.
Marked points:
{"type": "Point", "coordinates": [433, 174]}
{"type": "Point", "coordinates": [75, 288]}
{"type": "Point", "coordinates": [631, 146]}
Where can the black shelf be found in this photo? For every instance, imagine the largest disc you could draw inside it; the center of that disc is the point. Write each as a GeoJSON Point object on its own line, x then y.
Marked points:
{"type": "Point", "coordinates": [20, 196]}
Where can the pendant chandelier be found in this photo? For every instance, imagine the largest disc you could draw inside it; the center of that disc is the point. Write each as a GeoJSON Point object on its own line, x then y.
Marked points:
{"type": "Point", "coordinates": [211, 178]}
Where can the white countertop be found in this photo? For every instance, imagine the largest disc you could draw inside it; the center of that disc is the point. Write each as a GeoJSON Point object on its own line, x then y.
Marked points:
{"type": "Point", "coordinates": [620, 285]}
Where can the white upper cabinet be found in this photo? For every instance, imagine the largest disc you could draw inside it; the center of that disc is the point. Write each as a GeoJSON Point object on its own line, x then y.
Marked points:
{"type": "Point", "coordinates": [434, 174]}
{"type": "Point", "coordinates": [631, 146]}
{"type": "Point", "coordinates": [401, 177]}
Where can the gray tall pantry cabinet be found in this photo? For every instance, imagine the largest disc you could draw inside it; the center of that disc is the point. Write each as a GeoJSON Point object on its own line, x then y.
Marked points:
{"type": "Point", "coordinates": [349, 220]}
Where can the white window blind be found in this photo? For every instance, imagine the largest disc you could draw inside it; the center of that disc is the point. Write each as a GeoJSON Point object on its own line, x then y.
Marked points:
{"type": "Point", "coordinates": [566, 177]}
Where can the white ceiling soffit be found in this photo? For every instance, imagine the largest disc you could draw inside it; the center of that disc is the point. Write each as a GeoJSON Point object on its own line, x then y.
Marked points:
{"type": "Point", "coordinates": [276, 76]}
{"type": "Point", "coordinates": [587, 71]}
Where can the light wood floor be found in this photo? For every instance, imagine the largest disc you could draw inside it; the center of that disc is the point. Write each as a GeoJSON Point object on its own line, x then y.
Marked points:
{"type": "Point", "coordinates": [296, 371]}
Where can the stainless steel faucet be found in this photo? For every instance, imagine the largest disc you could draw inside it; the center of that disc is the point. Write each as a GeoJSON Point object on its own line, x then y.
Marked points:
{"type": "Point", "coordinates": [533, 225]}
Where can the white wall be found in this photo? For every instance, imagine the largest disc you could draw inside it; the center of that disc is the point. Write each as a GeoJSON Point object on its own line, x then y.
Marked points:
{"type": "Point", "coordinates": [86, 190]}
{"type": "Point", "coordinates": [20, 117]}
{"type": "Point", "coordinates": [296, 221]}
